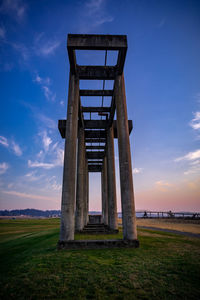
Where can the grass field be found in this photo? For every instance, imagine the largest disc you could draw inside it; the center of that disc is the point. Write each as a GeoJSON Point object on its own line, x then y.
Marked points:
{"type": "Point", "coordinates": [166, 266]}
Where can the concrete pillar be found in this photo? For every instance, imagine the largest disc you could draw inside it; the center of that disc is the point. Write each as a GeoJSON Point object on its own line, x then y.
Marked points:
{"type": "Point", "coordinates": [86, 191]}
{"type": "Point", "coordinates": [112, 198]}
{"type": "Point", "coordinates": [80, 188]}
{"type": "Point", "coordinates": [69, 170]}
{"type": "Point", "coordinates": [126, 180]}
{"type": "Point", "coordinates": [104, 192]}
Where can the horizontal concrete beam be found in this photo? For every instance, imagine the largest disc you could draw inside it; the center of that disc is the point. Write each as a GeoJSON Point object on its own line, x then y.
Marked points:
{"type": "Point", "coordinates": [95, 124]}
{"type": "Point", "coordinates": [96, 72]}
{"type": "Point", "coordinates": [94, 168]}
{"type": "Point", "coordinates": [94, 93]}
{"type": "Point", "coordinates": [93, 140]}
{"type": "Point", "coordinates": [95, 147]}
{"type": "Point", "coordinates": [96, 42]}
{"type": "Point", "coordinates": [96, 162]}
{"type": "Point", "coordinates": [95, 154]}
{"type": "Point", "coordinates": [130, 125]}
{"type": "Point", "coordinates": [95, 109]}
{"type": "Point", "coordinates": [95, 134]}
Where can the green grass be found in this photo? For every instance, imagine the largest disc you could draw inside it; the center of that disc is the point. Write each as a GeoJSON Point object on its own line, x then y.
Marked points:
{"type": "Point", "coordinates": [166, 266]}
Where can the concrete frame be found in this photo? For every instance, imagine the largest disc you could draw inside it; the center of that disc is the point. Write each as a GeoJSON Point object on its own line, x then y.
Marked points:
{"type": "Point", "coordinates": [96, 157]}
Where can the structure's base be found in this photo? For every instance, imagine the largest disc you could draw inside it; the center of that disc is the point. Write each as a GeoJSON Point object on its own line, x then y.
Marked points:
{"type": "Point", "coordinates": [97, 244]}
{"type": "Point", "coordinates": [98, 229]}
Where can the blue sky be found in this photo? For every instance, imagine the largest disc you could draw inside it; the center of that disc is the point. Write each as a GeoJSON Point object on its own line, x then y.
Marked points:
{"type": "Point", "coordinates": [162, 76]}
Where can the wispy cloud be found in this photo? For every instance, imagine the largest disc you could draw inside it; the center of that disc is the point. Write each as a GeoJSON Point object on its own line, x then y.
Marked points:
{"type": "Point", "coordinates": [194, 169]}
{"type": "Point", "coordinates": [46, 140]}
{"type": "Point", "coordinates": [16, 148]}
{"type": "Point", "coordinates": [137, 170]}
{"type": "Point", "coordinates": [26, 195]}
{"type": "Point", "coordinates": [163, 185]}
{"type": "Point", "coordinates": [23, 51]}
{"type": "Point", "coordinates": [49, 48]}
{"type": "Point", "coordinates": [45, 47]}
{"type": "Point", "coordinates": [189, 156]}
{"type": "Point", "coordinates": [4, 141]}
{"type": "Point", "coordinates": [94, 14]}
{"type": "Point", "coordinates": [14, 8]}
{"type": "Point", "coordinates": [44, 83]}
{"type": "Point", "coordinates": [32, 176]}
{"type": "Point", "coordinates": [3, 167]}
{"type": "Point", "coordinates": [12, 145]}
{"type": "Point", "coordinates": [195, 122]}
{"type": "Point", "coordinates": [57, 159]}
{"type": "Point", "coordinates": [49, 95]}
{"type": "Point", "coordinates": [192, 160]}
{"type": "Point", "coordinates": [47, 122]}
{"type": "Point", "coordinates": [37, 164]}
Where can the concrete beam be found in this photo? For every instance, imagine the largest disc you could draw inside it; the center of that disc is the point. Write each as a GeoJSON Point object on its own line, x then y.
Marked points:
{"type": "Point", "coordinates": [95, 162]}
{"type": "Point", "coordinates": [95, 147]}
{"type": "Point", "coordinates": [98, 93]}
{"type": "Point", "coordinates": [95, 154]}
{"type": "Point", "coordinates": [96, 72]}
{"type": "Point", "coordinates": [96, 42]}
{"type": "Point", "coordinates": [94, 168]}
{"type": "Point", "coordinates": [95, 134]}
{"type": "Point", "coordinates": [95, 140]}
{"type": "Point", "coordinates": [95, 124]}
{"type": "Point", "coordinates": [95, 109]}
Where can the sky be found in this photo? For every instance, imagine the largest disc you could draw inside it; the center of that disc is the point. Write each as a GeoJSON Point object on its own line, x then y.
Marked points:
{"type": "Point", "coordinates": [162, 78]}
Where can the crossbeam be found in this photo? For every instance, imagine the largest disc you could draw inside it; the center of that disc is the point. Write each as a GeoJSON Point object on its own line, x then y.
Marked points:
{"type": "Point", "coordinates": [96, 93]}
{"type": "Point", "coordinates": [95, 134]}
{"type": "Point", "coordinates": [94, 168]}
{"type": "Point", "coordinates": [95, 109]}
{"type": "Point", "coordinates": [96, 162]}
{"type": "Point", "coordinates": [95, 154]}
{"type": "Point", "coordinates": [95, 140]}
{"type": "Point", "coordinates": [95, 124]}
{"type": "Point", "coordinates": [95, 147]}
{"type": "Point", "coordinates": [96, 42]}
{"type": "Point", "coordinates": [96, 72]}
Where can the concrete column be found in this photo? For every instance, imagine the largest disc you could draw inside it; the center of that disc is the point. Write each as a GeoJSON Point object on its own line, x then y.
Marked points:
{"type": "Point", "coordinates": [104, 192]}
{"type": "Point", "coordinates": [112, 198]}
{"type": "Point", "coordinates": [80, 189]}
{"type": "Point", "coordinates": [126, 180]}
{"type": "Point", "coordinates": [86, 182]}
{"type": "Point", "coordinates": [69, 170]}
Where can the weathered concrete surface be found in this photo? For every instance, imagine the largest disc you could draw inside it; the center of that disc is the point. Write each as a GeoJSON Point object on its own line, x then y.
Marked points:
{"type": "Point", "coordinates": [80, 187]}
{"type": "Point", "coordinates": [104, 192]}
{"type": "Point", "coordinates": [69, 170]}
{"type": "Point", "coordinates": [126, 179]}
{"type": "Point", "coordinates": [86, 201]}
{"type": "Point", "coordinates": [112, 198]}
{"type": "Point", "coordinates": [98, 244]}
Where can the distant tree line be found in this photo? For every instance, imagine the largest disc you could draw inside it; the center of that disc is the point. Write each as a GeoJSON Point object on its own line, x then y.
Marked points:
{"type": "Point", "coordinates": [30, 212]}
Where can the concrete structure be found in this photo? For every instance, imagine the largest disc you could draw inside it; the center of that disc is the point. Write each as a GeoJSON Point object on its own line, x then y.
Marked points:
{"type": "Point", "coordinates": [95, 151]}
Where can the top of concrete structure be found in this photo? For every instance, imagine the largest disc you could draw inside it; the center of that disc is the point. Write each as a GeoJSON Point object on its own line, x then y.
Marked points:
{"type": "Point", "coordinates": [97, 42]}
{"type": "Point", "coordinates": [96, 129]}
